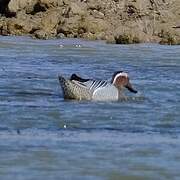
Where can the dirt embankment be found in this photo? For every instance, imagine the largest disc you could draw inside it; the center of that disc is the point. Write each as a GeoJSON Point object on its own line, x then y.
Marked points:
{"type": "Point", "coordinates": [116, 21]}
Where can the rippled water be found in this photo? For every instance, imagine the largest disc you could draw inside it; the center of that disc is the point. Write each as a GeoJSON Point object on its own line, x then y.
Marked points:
{"type": "Point", "coordinates": [134, 139]}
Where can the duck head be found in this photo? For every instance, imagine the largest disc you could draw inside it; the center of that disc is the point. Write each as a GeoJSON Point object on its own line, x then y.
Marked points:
{"type": "Point", "coordinates": [120, 79]}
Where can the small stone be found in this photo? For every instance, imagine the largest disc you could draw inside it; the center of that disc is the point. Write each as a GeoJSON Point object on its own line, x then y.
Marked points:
{"type": "Point", "coordinates": [61, 36]}
{"type": "Point", "coordinates": [41, 34]}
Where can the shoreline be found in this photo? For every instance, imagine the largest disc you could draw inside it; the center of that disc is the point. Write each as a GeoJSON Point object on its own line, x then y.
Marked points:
{"type": "Point", "coordinates": [78, 40]}
{"type": "Point", "coordinates": [114, 21]}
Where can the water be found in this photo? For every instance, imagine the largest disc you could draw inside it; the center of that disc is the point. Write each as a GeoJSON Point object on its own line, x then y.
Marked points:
{"type": "Point", "coordinates": [43, 136]}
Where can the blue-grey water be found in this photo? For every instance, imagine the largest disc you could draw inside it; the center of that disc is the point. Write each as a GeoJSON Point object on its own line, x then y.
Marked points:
{"type": "Point", "coordinates": [42, 136]}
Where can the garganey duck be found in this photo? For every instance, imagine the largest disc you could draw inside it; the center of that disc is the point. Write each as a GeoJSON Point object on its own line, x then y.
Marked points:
{"type": "Point", "coordinates": [91, 89]}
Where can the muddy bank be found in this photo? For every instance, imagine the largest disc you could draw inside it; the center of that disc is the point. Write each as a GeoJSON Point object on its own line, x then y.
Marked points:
{"type": "Point", "coordinates": [116, 21]}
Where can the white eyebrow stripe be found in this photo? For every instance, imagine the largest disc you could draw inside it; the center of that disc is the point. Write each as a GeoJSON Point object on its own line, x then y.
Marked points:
{"type": "Point", "coordinates": [120, 74]}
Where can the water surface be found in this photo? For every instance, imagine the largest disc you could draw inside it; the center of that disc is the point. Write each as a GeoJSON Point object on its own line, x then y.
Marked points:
{"type": "Point", "coordinates": [134, 139]}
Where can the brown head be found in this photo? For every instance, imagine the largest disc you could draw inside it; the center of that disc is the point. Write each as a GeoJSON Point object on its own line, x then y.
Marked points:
{"type": "Point", "coordinates": [120, 79]}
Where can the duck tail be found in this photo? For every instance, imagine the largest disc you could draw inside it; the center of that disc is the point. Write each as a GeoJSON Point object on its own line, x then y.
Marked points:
{"type": "Point", "coordinates": [63, 83]}
{"type": "Point", "coordinates": [66, 85]}
{"type": "Point", "coordinates": [62, 80]}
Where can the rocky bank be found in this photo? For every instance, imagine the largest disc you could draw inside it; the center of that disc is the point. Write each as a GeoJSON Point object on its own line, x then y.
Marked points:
{"type": "Point", "coordinates": [116, 21]}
